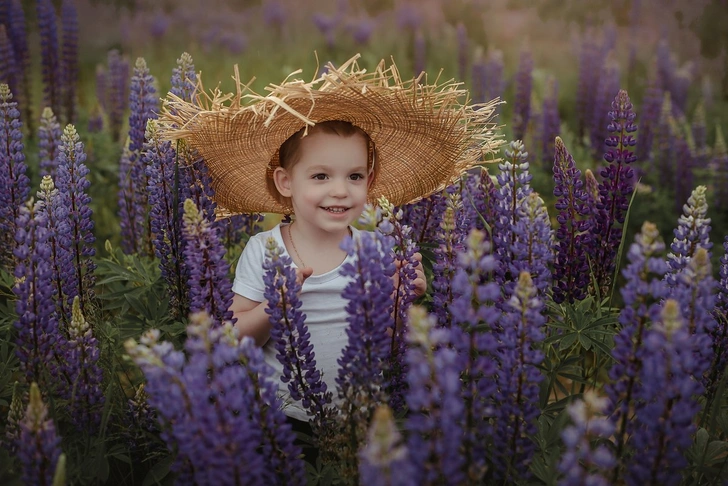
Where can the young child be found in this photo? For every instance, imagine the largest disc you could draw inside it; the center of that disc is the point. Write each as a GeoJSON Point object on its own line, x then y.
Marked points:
{"type": "Point", "coordinates": [321, 151]}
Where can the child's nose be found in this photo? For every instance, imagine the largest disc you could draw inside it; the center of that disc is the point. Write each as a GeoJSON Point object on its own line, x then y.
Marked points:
{"type": "Point", "coordinates": [338, 188]}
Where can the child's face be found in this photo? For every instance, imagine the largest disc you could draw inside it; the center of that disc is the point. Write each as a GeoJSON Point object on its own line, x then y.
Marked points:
{"type": "Point", "coordinates": [328, 185]}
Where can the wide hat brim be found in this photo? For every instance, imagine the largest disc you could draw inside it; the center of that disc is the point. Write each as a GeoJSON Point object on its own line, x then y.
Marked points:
{"type": "Point", "coordinates": [425, 135]}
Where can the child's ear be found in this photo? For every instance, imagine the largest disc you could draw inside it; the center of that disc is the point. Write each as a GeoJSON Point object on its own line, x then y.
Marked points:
{"type": "Point", "coordinates": [282, 180]}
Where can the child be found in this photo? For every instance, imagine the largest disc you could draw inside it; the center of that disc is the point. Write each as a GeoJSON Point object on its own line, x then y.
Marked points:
{"type": "Point", "coordinates": [320, 151]}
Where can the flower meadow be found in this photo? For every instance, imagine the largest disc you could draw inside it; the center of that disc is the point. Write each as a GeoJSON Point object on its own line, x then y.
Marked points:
{"type": "Point", "coordinates": [575, 326]}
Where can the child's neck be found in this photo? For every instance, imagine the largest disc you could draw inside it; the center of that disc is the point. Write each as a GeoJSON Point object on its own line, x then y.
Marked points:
{"type": "Point", "coordinates": [316, 249]}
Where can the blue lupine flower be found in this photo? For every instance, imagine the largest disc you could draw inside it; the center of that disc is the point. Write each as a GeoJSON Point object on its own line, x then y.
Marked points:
{"type": "Point", "coordinates": [69, 60]}
{"type": "Point", "coordinates": [692, 232]}
{"type": "Point", "coordinates": [117, 91]}
{"type": "Point", "coordinates": [550, 120]}
{"type": "Point", "coordinates": [435, 404]}
{"type": "Point", "coordinates": [607, 85]}
{"type": "Point", "coordinates": [9, 70]}
{"type": "Point", "coordinates": [648, 121]}
{"type": "Point", "coordinates": [125, 200]}
{"type": "Point", "coordinates": [50, 63]}
{"type": "Point", "coordinates": [522, 102]}
{"type": "Point", "coordinates": [719, 336]}
{"type": "Point", "coordinates": [450, 244]}
{"type": "Point", "coordinates": [424, 216]}
{"type": "Point", "coordinates": [195, 182]}
{"type": "Point", "coordinates": [480, 199]}
{"type": "Point", "coordinates": [518, 381]}
{"type": "Point", "coordinates": [571, 267]}
{"type": "Point", "coordinates": [532, 246]}
{"type": "Point", "coordinates": [49, 140]}
{"type": "Point", "coordinates": [384, 460]}
{"type": "Point", "coordinates": [589, 62]}
{"type": "Point", "coordinates": [210, 288]}
{"type": "Point", "coordinates": [39, 446]}
{"type": "Point", "coordinates": [72, 186]}
{"type": "Point", "coordinates": [290, 333]}
{"type": "Point", "coordinates": [184, 78]}
{"type": "Point", "coordinates": [586, 460]}
{"type": "Point", "coordinates": [719, 168]}
{"type": "Point", "coordinates": [668, 403]}
{"type": "Point", "coordinates": [18, 37]}
{"type": "Point", "coordinates": [463, 50]}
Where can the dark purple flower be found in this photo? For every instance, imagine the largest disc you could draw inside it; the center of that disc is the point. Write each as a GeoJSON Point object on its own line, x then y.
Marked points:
{"type": "Point", "coordinates": [463, 51]}
{"type": "Point", "coordinates": [424, 216]}
{"type": "Point", "coordinates": [237, 228]}
{"type": "Point", "coordinates": [8, 64]}
{"type": "Point", "coordinates": [650, 117]}
{"type": "Point", "coordinates": [362, 30]}
{"type": "Point", "coordinates": [550, 120]}
{"type": "Point", "coordinates": [274, 13]}
{"type": "Point", "coordinates": [615, 190]}
{"type": "Point", "coordinates": [50, 62]}
{"type": "Point", "coordinates": [408, 16]}
{"type": "Point", "coordinates": [69, 60]}
{"type": "Point", "coordinates": [39, 446]}
{"type": "Point", "coordinates": [49, 141]}
{"type": "Point", "coordinates": [607, 85]}
{"type": "Point", "coordinates": [450, 242]}
{"type": "Point", "coordinates": [420, 53]}
{"type": "Point", "coordinates": [571, 266]}
{"type": "Point", "coordinates": [17, 35]}
{"type": "Point", "coordinates": [125, 199]}
{"type": "Point", "coordinates": [117, 91]}
{"type": "Point", "coordinates": [195, 182]}
{"type": "Point", "coordinates": [326, 25]}
{"type": "Point", "coordinates": [384, 459]}
{"type": "Point", "coordinates": [495, 84]}
{"type": "Point", "coordinates": [480, 200]}
{"type": "Point", "coordinates": [522, 102]}
{"type": "Point", "coordinates": [720, 333]}
{"type": "Point", "coordinates": [159, 24]}
{"type": "Point", "coordinates": [72, 184]}
{"type": "Point", "coordinates": [210, 288]}
{"type": "Point", "coordinates": [532, 246]}
{"type": "Point", "coordinates": [692, 232]}
{"type": "Point", "coordinates": [665, 145]}
{"type": "Point", "coordinates": [184, 78]}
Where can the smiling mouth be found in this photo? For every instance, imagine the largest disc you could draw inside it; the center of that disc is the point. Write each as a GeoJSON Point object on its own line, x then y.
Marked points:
{"type": "Point", "coordinates": [336, 210]}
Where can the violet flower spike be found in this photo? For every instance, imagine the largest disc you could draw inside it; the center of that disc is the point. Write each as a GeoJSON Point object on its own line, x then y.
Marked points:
{"type": "Point", "coordinates": [49, 140]}
{"type": "Point", "coordinates": [50, 63]}
{"type": "Point", "coordinates": [184, 78]}
{"type": "Point", "coordinates": [117, 92]}
{"type": "Point", "coordinates": [532, 247]}
{"type": "Point", "coordinates": [9, 70]}
{"type": "Point", "coordinates": [450, 243]}
{"type": "Point", "coordinates": [550, 120]}
{"type": "Point", "coordinates": [692, 232]}
{"type": "Point", "coordinates": [607, 84]}
{"type": "Point", "coordinates": [522, 103]}
{"type": "Point", "coordinates": [125, 201]}
{"type": "Point", "coordinates": [384, 460]}
{"type": "Point", "coordinates": [69, 60]}
{"type": "Point", "coordinates": [39, 446]}
{"type": "Point", "coordinates": [719, 335]}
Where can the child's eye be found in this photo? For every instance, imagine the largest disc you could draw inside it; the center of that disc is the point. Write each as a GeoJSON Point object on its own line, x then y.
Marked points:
{"type": "Point", "coordinates": [357, 177]}
{"type": "Point", "coordinates": [319, 177]}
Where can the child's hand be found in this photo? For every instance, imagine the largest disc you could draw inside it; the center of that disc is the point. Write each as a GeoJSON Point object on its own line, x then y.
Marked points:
{"type": "Point", "coordinates": [302, 274]}
{"type": "Point", "coordinates": [420, 281]}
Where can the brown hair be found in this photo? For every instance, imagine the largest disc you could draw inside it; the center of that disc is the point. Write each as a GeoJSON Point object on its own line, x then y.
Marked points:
{"type": "Point", "coordinates": [290, 152]}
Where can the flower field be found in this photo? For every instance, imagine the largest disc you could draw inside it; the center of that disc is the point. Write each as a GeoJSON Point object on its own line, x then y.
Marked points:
{"type": "Point", "coordinates": [575, 326]}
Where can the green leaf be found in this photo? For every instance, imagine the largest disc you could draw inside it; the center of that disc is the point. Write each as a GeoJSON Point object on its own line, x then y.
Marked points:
{"type": "Point", "coordinates": [159, 471]}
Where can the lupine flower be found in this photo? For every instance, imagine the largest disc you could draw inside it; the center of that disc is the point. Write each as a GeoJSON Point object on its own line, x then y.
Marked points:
{"type": "Point", "coordinates": [591, 187]}
{"type": "Point", "coordinates": [518, 381]}
{"type": "Point", "coordinates": [238, 226]}
{"type": "Point", "coordinates": [478, 79]}
{"type": "Point", "coordinates": [532, 246]}
{"type": "Point", "coordinates": [719, 168]}
{"type": "Point", "coordinates": [408, 16]}
{"type": "Point", "coordinates": [143, 105]}
{"type": "Point", "coordinates": [642, 293]}
{"type": "Point", "coordinates": [665, 144]}
{"type": "Point", "coordinates": [719, 335]}
{"type": "Point", "coordinates": [326, 25]}
{"type": "Point", "coordinates": [522, 102]}
{"type": "Point", "coordinates": [494, 75]}
{"type": "Point", "coordinates": [210, 288]}
{"type": "Point", "coordinates": [159, 24]}
{"type": "Point", "coordinates": [650, 117]}
{"type": "Point", "coordinates": [69, 60]}
{"type": "Point", "coordinates": [362, 30]}
{"type": "Point", "coordinates": [17, 34]}
{"type": "Point", "coordinates": [463, 50]}
{"type": "Point", "coordinates": [14, 183]}
{"type": "Point", "coordinates": [692, 232]}
{"type": "Point", "coordinates": [15, 416]}
{"type": "Point", "coordinates": [184, 78]}
{"type": "Point", "coordinates": [117, 91]}
{"type": "Point", "coordinates": [125, 199]}
{"type": "Point", "coordinates": [434, 402]}
{"type": "Point", "coordinates": [195, 182]}
{"type": "Point", "coordinates": [8, 65]}
{"type": "Point", "coordinates": [159, 159]}
{"type": "Point", "coordinates": [274, 13]}
{"type": "Point", "coordinates": [81, 361]}
{"type": "Point", "coordinates": [72, 186]}
{"type": "Point", "coordinates": [480, 199]}
{"type": "Point", "coordinates": [39, 447]}
{"type": "Point", "coordinates": [290, 333]}
{"type": "Point", "coordinates": [384, 460]}
{"type": "Point", "coordinates": [50, 63]}
{"type": "Point", "coordinates": [218, 403]}
{"type": "Point", "coordinates": [550, 120]}
{"type": "Point", "coordinates": [664, 421]}
{"type": "Point", "coordinates": [586, 460]}
{"type": "Point", "coordinates": [614, 190]}
{"type": "Point", "coordinates": [571, 267]}
{"type": "Point", "coordinates": [420, 53]}
{"type": "Point", "coordinates": [607, 85]}
{"type": "Point", "coordinates": [450, 243]}
{"type": "Point", "coordinates": [49, 139]}
{"type": "Point", "coordinates": [424, 216]}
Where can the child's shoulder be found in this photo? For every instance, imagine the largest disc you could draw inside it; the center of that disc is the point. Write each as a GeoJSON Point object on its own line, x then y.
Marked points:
{"type": "Point", "coordinates": [259, 239]}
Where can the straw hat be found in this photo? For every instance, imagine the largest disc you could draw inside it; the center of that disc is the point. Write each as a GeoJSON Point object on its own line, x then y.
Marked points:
{"type": "Point", "coordinates": [424, 135]}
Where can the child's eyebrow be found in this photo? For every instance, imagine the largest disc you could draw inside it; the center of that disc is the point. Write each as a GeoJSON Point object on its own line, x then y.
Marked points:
{"type": "Point", "coordinates": [326, 168]}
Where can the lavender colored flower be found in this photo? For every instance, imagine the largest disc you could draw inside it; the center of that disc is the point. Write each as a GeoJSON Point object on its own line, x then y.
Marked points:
{"type": "Point", "coordinates": [49, 140]}
{"type": "Point", "coordinates": [238, 227]}
{"type": "Point", "coordinates": [480, 200]}
{"type": "Point", "coordinates": [522, 102]}
{"type": "Point", "coordinates": [550, 120]}
{"type": "Point", "coordinates": [69, 60]}
{"type": "Point", "coordinates": [532, 246]}
{"type": "Point", "coordinates": [218, 403]}
{"type": "Point", "coordinates": [125, 199]}
{"type": "Point", "coordinates": [461, 34]}
{"type": "Point", "coordinates": [362, 30]}
{"type": "Point", "coordinates": [649, 119]}
{"type": "Point", "coordinates": [210, 288]}
{"type": "Point", "coordinates": [692, 232]}
{"type": "Point", "coordinates": [95, 120]}
{"type": "Point", "coordinates": [664, 422]}
{"type": "Point", "coordinates": [159, 24]}
{"type": "Point", "coordinates": [50, 62]}
{"type": "Point", "coordinates": [420, 53]}
{"type": "Point", "coordinates": [195, 182]}
{"type": "Point", "coordinates": [642, 293]}
{"type": "Point", "coordinates": [450, 243]}
{"type": "Point", "coordinates": [587, 459]}
{"type": "Point", "coordinates": [39, 446]}
{"type": "Point", "coordinates": [81, 361]}
{"type": "Point", "coordinates": [435, 404]}
{"type": "Point", "coordinates": [72, 185]}
{"type": "Point", "coordinates": [16, 413]}
{"type": "Point", "coordinates": [664, 159]}
{"type": "Point", "coordinates": [571, 267]}
{"type": "Point", "coordinates": [614, 190]}
{"type": "Point", "coordinates": [719, 169]}
{"type": "Point", "coordinates": [494, 75]}
{"type": "Point", "coordinates": [14, 183]}
{"type": "Point", "coordinates": [608, 84]}
{"type": "Point", "coordinates": [8, 65]}
{"type": "Point", "coordinates": [408, 16]}
{"type": "Point", "coordinates": [184, 78]}
{"type": "Point", "coordinates": [117, 91]}
{"type": "Point", "coordinates": [384, 460]}
{"type": "Point", "coordinates": [518, 381]}
{"type": "Point", "coordinates": [424, 216]}
{"type": "Point", "coordinates": [719, 335]}
{"type": "Point", "coordinates": [274, 13]}
{"type": "Point", "coordinates": [326, 25]}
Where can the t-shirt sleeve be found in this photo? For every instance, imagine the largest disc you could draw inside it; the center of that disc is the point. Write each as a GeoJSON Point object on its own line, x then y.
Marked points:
{"type": "Point", "coordinates": [249, 271]}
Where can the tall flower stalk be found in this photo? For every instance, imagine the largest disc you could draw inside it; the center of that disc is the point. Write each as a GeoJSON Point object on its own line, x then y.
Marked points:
{"type": "Point", "coordinates": [522, 103]}
{"type": "Point", "coordinates": [69, 60]}
{"type": "Point", "coordinates": [384, 459]}
{"type": "Point", "coordinates": [50, 61]}
{"type": "Point", "coordinates": [39, 446]}
{"type": "Point", "coordinates": [49, 140]}
{"type": "Point", "coordinates": [450, 243]}
{"type": "Point", "coordinates": [692, 232]}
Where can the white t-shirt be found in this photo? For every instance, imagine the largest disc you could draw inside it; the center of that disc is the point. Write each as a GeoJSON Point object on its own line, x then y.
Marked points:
{"type": "Point", "coordinates": [321, 302]}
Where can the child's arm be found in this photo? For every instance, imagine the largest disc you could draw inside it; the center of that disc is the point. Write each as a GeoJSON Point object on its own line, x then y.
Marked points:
{"type": "Point", "coordinates": [251, 318]}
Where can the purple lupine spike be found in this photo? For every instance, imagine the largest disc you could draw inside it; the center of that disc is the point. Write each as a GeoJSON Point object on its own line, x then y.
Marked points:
{"type": "Point", "coordinates": [39, 446]}
{"type": "Point", "coordinates": [518, 381]}
{"type": "Point", "coordinates": [665, 65]}
{"type": "Point", "coordinates": [69, 60]}
{"type": "Point", "coordinates": [35, 307]}
{"type": "Point", "coordinates": [363, 29]}
{"type": "Point", "coordinates": [14, 183]}
{"type": "Point", "coordinates": [424, 216]}
{"type": "Point", "coordinates": [49, 141]}
{"type": "Point", "coordinates": [73, 185]}
{"type": "Point", "coordinates": [95, 120]}
{"type": "Point", "coordinates": [480, 198]}
{"type": "Point", "coordinates": [210, 288]}
{"type": "Point", "coordinates": [571, 267]}
{"type": "Point", "coordinates": [666, 144]}
{"type": "Point", "coordinates": [195, 182]}
{"type": "Point", "coordinates": [420, 53]}
{"type": "Point", "coordinates": [15, 416]}
{"type": "Point", "coordinates": [642, 293]}
{"type": "Point", "coordinates": [117, 91]}
{"type": "Point", "coordinates": [648, 121]}
{"type": "Point", "coordinates": [664, 423]}
{"type": "Point", "coordinates": [81, 361]}
{"type": "Point", "coordinates": [275, 14]}
{"type": "Point", "coordinates": [450, 243]}
{"type": "Point", "coordinates": [550, 120]}
{"type": "Point", "coordinates": [494, 76]}
{"type": "Point", "coordinates": [720, 333]}
{"type": "Point", "coordinates": [522, 103]}
{"type": "Point", "coordinates": [125, 199]}
{"type": "Point", "coordinates": [615, 190]}
{"type": "Point", "coordinates": [50, 62]}
{"type": "Point", "coordinates": [290, 333]}
{"type": "Point", "coordinates": [463, 50]}
{"type": "Point", "coordinates": [692, 232]}
{"type": "Point", "coordinates": [144, 104]}
{"type": "Point", "coordinates": [384, 459]}
{"type": "Point", "coordinates": [218, 403]}
{"type": "Point", "coordinates": [237, 228]}
{"type": "Point", "coordinates": [8, 64]}
{"type": "Point", "coordinates": [514, 183]}
{"type": "Point", "coordinates": [408, 16]}
{"type": "Point", "coordinates": [159, 159]}
{"type": "Point", "coordinates": [326, 25]}
{"type": "Point", "coordinates": [434, 402]}
{"type": "Point", "coordinates": [478, 79]}
{"type": "Point", "coordinates": [17, 34]}
{"type": "Point", "coordinates": [184, 78]}
{"type": "Point", "coordinates": [719, 170]}
{"type": "Point", "coordinates": [584, 462]}
{"type": "Point", "coordinates": [608, 84]}
{"type": "Point", "coordinates": [532, 246]}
